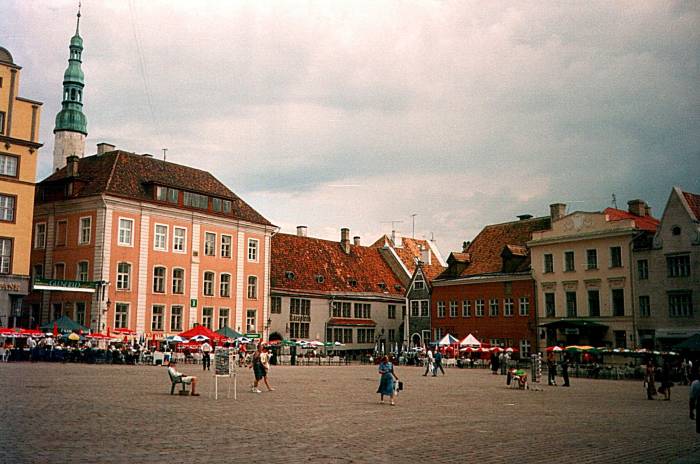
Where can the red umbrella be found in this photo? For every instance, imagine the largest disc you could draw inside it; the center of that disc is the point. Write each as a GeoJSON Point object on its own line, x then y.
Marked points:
{"type": "Point", "coordinates": [55, 329]}
{"type": "Point", "coordinates": [555, 348]}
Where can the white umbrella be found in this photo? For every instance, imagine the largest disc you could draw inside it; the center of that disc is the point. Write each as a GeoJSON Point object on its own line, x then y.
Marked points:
{"type": "Point", "coordinates": [179, 339]}
{"type": "Point", "coordinates": [199, 338]}
{"type": "Point", "coordinates": [447, 340]}
{"type": "Point", "coordinates": [470, 340]}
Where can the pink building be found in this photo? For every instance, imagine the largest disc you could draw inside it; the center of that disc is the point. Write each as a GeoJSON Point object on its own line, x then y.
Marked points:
{"type": "Point", "coordinates": [128, 241]}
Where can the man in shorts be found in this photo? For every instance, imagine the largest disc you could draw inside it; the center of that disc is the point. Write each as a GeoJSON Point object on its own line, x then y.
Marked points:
{"type": "Point", "coordinates": [186, 379]}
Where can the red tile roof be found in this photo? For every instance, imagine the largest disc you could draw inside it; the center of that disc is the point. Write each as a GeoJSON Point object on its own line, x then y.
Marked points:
{"type": "Point", "coordinates": [130, 175]}
{"type": "Point", "coordinates": [321, 266]}
{"type": "Point", "coordinates": [353, 322]}
{"type": "Point", "coordinates": [694, 203]}
{"type": "Point", "coordinates": [647, 223]}
{"type": "Point", "coordinates": [410, 251]}
{"type": "Point", "coordinates": [484, 253]}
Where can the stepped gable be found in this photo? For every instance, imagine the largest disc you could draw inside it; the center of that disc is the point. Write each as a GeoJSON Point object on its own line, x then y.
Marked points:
{"type": "Point", "coordinates": [314, 265]}
{"type": "Point", "coordinates": [132, 176]}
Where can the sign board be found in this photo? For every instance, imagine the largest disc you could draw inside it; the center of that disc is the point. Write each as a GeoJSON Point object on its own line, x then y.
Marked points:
{"type": "Point", "coordinates": [65, 285]}
{"type": "Point", "coordinates": [571, 331]}
{"type": "Point", "coordinates": [193, 302]}
{"type": "Point", "coordinates": [252, 335]}
{"type": "Point", "coordinates": [224, 367]}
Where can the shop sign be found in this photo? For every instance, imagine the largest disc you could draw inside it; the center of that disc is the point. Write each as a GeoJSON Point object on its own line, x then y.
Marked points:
{"type": "Point", "coordinates": [65, 285]}
{"type": "Point", "coordinates": [299, 318]}
{"type": "Point", "coordinates": [252, 335]}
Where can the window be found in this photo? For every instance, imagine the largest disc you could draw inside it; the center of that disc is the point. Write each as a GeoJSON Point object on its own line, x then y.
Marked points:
{"type": "Point", "coordinates": [415, 308]}
{"type": "Point", "coordinates": [252, 287]}
{"type": "Point", "coordinates": [223, 317]}
{"type": "Point", "coordinates": [59, 271]}
{"type": "Point", "coordinates": [5, 255]}
{"type": "Point", "coordinates": [2, 122]}
{"type": "Point", "coordinates": [227, 206]}
{"type": "Point", "coordinates": [8, 163]}
{"type": "Point", "coordinates": [479, 308]}
{"type": "Point", "coordinates": [225, 285]}
{"type": "Point", "coordinates": [159, 279]}
{"type": "Point", "coordinates": [251, 320]}
{"type": "Point", "coordinates": [276, 305]}
{"type": "Point", "coordinates": [40, 236]}
{"type": "Point", "coordinates": [507, 307]}
{"type": "Point", "coordinates": [593, 303]}
{"type": "Point", "coordinates": [419, 283]}
{"type": "Point", "coordinates": [678, 266]}
{"type": "Point", "coordinates": [675, 230]}
{"type": "Point", "coordinates": [157, 314]}
{"type": "Point", "coordinates": [524, 306]}
{"type": "Point", "coordinates": [341, 335]}
{"type": "Point", "coordinates": [160, 237]}
{"type": "Point", "coordinates": [453, 308]}
{"type": "Point", "coordinates": [618, 302]}
{"type": "Point", "coordinates": [299, 330]}
{"type": "Point", "coordinates": [642, 269]}
{"type": "Point", "coordinates": [207, 316]}
{"type": "Point", "coordinates": [644, 306]}
{"type": "Point", "coordinates": [209, 244]}
{"type": "Point", "coordinates": [179, 235]}
{"type": "Point", "coordinates": [195, 200]}
{"type": "Point", "coordinates": [167, 194]}
{"type": "Point", "coordinates": [126, 228]}
{"type": "Point", "coordinates": [363, 310]}
{"type": "Point", "coordinates": [620, 338]}
{"type": "Point", "coordinates": [178, 281]}
{"type": "Point", "coordinates": [466, 308]}
{"type": "Point", "coordinates": [570, 304]}
{"type": "Point", "coordinates": [7, 208]}
{"type": "Point", "coordinates": [216, 204]}
{"type": "Point", "coordinates": [569, 265]}
{"type": "Point", "coordinates": [364, 335]}
{"type": "Point", "coordinates": [80, 312]}
{"type": "Point", "coordinates": [680, 304]}
{"type": "Point", "coordinates": [85, 230]}
{"type": "Point", "coordinates": [252, 249]}
{"type": "Point", "coordinates": [440, 309]}
{"type": "Point", "coordinates": [61, 233]}
{"type": "Point", "coordinates": [341, 309]}
{"type": "Point", "coordinates": [392, 335]}
{"type": "Point", "coordinates": [176, 318]}
{"type": "Point", "coordinates": [208, 289]}
{"type": "Point", "coordinates": [548, 263]}
{"type": "Point", "coordinates": [525, 349]}
{"type": "Point", "coordinates": [38, 272]}
{"type": "Point", "coordinates": [121, 316]}
{"type": "Point", "coordinates": [549, 307]}
{"type": "Point", "coordinates": [592, 259]}
{"type": "Point", "coordinates": [225, 246]}
{"type": "Point", "coordinates": [391, 309]}
{"type": "Point", "coordinates": [300, 306]}
{"type": "Point", "coordinates": [424, 308]}
{"type": "Point", "coordinates": [493, 307]}
{"type": "Point", "coordinates": [615, 256]}
{"type": "Point", "coordinates": [81, 272]}
{"type": "Point", "coordinates": [123, 276]}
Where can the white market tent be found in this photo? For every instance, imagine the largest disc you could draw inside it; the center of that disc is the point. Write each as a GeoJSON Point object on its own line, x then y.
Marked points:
{"type": "Point", "coordinates": [470, 340]}
{"type": "Point", "coordinates": [447, 340]}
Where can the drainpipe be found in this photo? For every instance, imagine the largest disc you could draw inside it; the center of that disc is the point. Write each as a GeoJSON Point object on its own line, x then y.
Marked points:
{"type": "Point", "coordinates": [635, 335]}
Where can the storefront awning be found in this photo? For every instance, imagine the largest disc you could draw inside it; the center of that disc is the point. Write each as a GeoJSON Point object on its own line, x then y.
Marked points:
{"type": "Point", "coordinates": [574, 324]}
{"type": "Point", "coordinates": [65, 285]}
{"type": "Point", "coordinates": [676, 333]}
{"type": "Point", "coordinates": [348, 322]}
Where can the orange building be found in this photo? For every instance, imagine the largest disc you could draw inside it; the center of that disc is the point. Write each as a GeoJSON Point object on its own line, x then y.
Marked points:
{"type": "Point", "coordinates": [128, 241]}
{"type": "Point", "coordinates": [19, 130]}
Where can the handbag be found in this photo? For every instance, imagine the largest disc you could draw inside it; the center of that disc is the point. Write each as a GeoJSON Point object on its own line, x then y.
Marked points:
{"type": "Point", "coordinates": [400, 386]}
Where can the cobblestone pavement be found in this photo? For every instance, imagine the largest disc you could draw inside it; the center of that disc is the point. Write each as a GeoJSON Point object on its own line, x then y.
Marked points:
{"type": "Point", "coordinates": [85, 413]}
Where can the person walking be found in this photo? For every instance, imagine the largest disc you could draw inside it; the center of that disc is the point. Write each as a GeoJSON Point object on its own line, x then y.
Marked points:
{"type": "Point", "coordinates": [551, 369]}
{"type": "Point", "coordinates": [694, 403]}
{"type": "Point", "coordinates": [565, 370]}
{"type": "Point", "coordinates": [428, 362]}
{"type": "Point", "coordinates": [438, 363]}
{"type": "Point", "coordinates": [666, 383]}
{"type": "Point", "coordinates": [649, 380]}
{"type": "Point", "coordinates": [206, 356]}
{"type": "Point", "coordinates": [258, 365]}
{"type": "Point", "coordinates": [386, 381]}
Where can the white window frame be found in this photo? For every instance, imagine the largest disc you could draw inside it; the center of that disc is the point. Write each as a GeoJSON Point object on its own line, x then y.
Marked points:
{"type": "Point", "coordinates": [126, 317]}
{"type": "Point", "coordinates": [162, 318]}
{"type": "Point", "coordinates": [128, 276]}
{"type": "Point", "coordinates": [82, 229]}
{"type": "Point", "coordinates": [229, 245]}
{"type": "Point", "coordinates": [466, 308]}
{"type": "Point", "coordinates": [211, 317]}
{"type": "Point", "coordinates": [160, 237]}
{"type": "Point", "coordinates": [176, 238]}
{"type": "Point", "coordinates": [164, 281]}
{"type": "Point", "coordinates": [255, 248]}
{"type": "Point", "coordinates": [415, 308]}
{"type": "Point", "coordinates": [454, 308]}
{"type": "Point", "coordinates": [204, 283]}
{"type": "Point", "coordinates": [180, 316]}
{"type": "Point", "coordinates": [11, 201]}
{"type": "Point", "coordinates": [5, 164]}
{"type": "Point", "coordinates": [130, 243]}
{"type": "Point", "coordinates": [440, 309]}
{"type": "Point", "coordinates": [573, 261]}
{"type": "Point", "coordinates": [253, 286]}
{"type": "Point", "coordinates": [491, 305]}
{"type": "Point", "coordinates": [479, 305]}
{"type": "Point", "coordinates": [172, 280]}
{"type": "Point", "coordinates": [525, 347]}
{"type": "Point", "coordinates": [207, 235]}
{"type": "Point", "coordinates": [221, 285]}
{"type": "Point", "coordinates": [524, 306]}
{"type": "Point", "coordinates": [87, 270]}
{"type": "Point", "coordinates": [254, 318]}
{"type": "Point", "coordinates": [228, 317]}
{"type": "Point", "coordinates": [508, 305]}
{"type": "Point", "coordinates": [39, 245]}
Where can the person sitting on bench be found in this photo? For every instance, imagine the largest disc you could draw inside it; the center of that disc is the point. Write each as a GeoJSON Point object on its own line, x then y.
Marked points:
{"type": "Point", "coordinates": [185, 379]}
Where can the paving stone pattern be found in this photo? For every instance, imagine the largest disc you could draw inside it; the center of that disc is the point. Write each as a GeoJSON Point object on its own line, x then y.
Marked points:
{"type": "Point", "coordinates": [86, 413]}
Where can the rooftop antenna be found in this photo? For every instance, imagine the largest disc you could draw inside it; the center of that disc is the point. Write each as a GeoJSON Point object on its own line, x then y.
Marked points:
{"type": "Point", "coordinates": [413, 219]}
{"type": "Point", "coordinates": [165, 153]}
{"type": "Point", "coordinates": [614, 201]}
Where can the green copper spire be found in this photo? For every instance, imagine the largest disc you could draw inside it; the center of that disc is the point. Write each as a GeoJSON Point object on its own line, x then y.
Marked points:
{"type": "Point", "coordinates": [71, 117]}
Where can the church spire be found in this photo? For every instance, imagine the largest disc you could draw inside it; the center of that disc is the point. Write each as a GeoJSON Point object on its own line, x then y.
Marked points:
{"type": "Point", "coordinates": [71, 124]}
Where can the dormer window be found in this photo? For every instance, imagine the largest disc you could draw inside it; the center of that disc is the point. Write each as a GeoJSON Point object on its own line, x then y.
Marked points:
{"type": "Point", "coordinates": [397, 287]}
{"type": "Point", "coordinates": [382, 285]}
{"type": "Point", "coordinates": [320, 279]}
{"type": "Point", "coordinates": [289, 275]}
{"type": "Point", "coordinates": [352, 282]}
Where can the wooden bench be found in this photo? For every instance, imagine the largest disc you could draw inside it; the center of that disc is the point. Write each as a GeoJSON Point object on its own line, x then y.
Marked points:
{"type": "Point", "coordinates": [174, 380]}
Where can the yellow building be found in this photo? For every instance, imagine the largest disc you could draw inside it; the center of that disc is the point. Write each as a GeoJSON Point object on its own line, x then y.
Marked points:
{"type": "Point", "coordinates": [19, 131]}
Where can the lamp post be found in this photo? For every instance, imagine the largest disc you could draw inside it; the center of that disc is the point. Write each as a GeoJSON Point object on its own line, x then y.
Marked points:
{"type": "Point", "coordinates": [107, 306]}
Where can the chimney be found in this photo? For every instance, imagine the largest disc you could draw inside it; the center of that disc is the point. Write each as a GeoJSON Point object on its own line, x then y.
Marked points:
{"type": "Point", "coordinates": [523, 217]}
{"type": "Point", "coordinates": [301, 231]}
{"type": "Point", "coordinates": [345, 240]}
{"type": "Point", "coordinates": [557, 211]}
{"type": "Point", "coordinates": [647, 210]}
{"type": "Point", "coordinates": [356, 240]}
{"type": "Point", "coordinates": [465, 246]}
{"type": "Point", "coordinates": [426, 256]}
{"type": "Point", "coordinates": [147, 155]}
{"type": "Point", "coordinates": [103, 148]}
{"type": "Point", "coordinates": [637, 207]}
{"type": "Point", "coordinates": [72, 166]}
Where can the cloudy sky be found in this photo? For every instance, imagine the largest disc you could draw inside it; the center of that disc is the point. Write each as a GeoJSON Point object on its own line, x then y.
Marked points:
{"type": "Point", "coordinates": [354, 114]}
